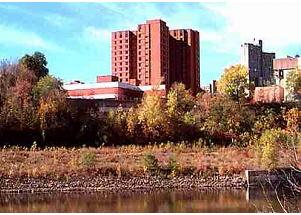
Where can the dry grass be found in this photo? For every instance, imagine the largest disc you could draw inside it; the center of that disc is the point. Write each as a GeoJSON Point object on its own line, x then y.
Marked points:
{"type": "Point", "coordinates": [125, 160]}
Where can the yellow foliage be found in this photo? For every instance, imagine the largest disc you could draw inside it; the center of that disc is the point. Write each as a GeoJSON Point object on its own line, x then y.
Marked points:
{"type": "Point", "coordinates": [234, 81]}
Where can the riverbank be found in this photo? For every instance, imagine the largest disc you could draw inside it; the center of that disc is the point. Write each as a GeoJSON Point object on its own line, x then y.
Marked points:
{"type": "Point", "coordinates": [115, 184]}
{"type": "Point", "coordinates": [125, 168]}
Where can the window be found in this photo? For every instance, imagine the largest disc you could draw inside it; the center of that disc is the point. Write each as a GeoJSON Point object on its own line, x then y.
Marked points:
{"type": "Point", "coordinates": [126, 46]}
{"type": "Point", "coordinates": [126, 79]}
{"type": "Point", "coordinates": [120, 35]}
{"type": "Point", "coordinates": [126, 69]}
{"type": "Point", "coordinates": [120, 52]}
{"type": "Point", "coordinates": [120, 80]}
{"type": "Point", "coordinates": [120, 47]}
{"type": "Point", "coordinates": [120, 69]}
{"type": "Point", "coordinates": [126, 41]}
{"type": "Point", "coordinates": [120, 74]}
{"type": "Point", "coordinates": [126, 63]}
{"type": "Point", "coordinates": [139, 58]}
{"type": "Point", "coordinates": [126, 52]}
{"type": "Point", "coordinates": [120, 64]}
{"type": "Point", "coordinates": [126, 34]}
{"type": "Point", "coordinates": [120, 58]}
{"type": "Point", "coordinates": [126, 74]}
{"type": "Point", "coordinates": [120, 41]}
{"type": "Point", "coordinates": [126, 57]}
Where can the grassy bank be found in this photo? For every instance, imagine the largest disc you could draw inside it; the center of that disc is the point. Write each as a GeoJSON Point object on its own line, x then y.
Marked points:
{"type": "Point", "coordinates": [170, 159]}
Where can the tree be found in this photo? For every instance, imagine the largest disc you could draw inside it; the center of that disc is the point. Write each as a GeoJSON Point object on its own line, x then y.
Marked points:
{"type": "Point", "coordinates": [222, 118]}
{"type": "Point", "coordinates": [8, 76]}
{"type": "Point", "coordinates": [180, 104]}
{"type": "Point", "coordinates": [151, 115]}
{"type": "Point", "coordinates": [51, 111]}
{"type": "Point", "coordinates": [179, 101]}
{"type": "Point", "coordinates": [293, 82]}
{"type": "Point", "coordinates": [234, 82]}
{"type": "Point", "coordinates": [46, 85]}
{"type": "Point", "coordinates": [36, 63]}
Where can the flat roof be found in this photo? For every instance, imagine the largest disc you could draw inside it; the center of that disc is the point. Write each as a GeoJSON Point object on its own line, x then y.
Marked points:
{"type": "Point", "coordinates": [101, 85]}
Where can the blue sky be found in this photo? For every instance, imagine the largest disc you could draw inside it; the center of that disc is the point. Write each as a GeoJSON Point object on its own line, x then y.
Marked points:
{"type": "Point", "coordinates": [75, 37]}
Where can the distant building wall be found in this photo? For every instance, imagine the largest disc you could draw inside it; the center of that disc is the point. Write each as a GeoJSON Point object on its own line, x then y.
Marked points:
{"type": "Point", "coordinates": [108, 90]}
{"type": "Point", "coordinates": [106, 78]}
{"type": "Point", "coordinates": [259, 63]}
{"type": "Point", "coordinates": [282, 67]}
{"type": "Point", "coordinates": [272, 94]}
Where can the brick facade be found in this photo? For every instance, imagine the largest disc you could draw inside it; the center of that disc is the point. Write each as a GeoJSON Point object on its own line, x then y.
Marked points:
{"type": "Point", "coordinates": [163, 56]}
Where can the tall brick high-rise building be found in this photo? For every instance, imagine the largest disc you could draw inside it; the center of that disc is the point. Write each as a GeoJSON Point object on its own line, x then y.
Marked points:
{"type": "Point", "coordinates": [155, 55]}
{"type": "Point", "coordinates": [185, 58]}
{"type": "Point", "coordinates": [124, 56]}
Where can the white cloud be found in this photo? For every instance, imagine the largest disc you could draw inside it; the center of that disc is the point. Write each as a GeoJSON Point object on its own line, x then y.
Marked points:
{"type": "Point", "coordinates": [93, 34]}
{"type": "Point", "coordinates": [10, 35]}
{"type": "Point", "coordinates": [58, 20]}
{"type": "Point", "coordinates": [276, 23]}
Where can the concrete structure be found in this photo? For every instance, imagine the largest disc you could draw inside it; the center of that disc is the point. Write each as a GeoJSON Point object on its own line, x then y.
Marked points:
{"type": "Point", "coordinates": [259, 64]}
{"type": "Point", "coordinates": [154, 55]}
{"type": "Point", "coordinates": [271, 94]}
{"type": "Point", "coordinates": [282, 66]}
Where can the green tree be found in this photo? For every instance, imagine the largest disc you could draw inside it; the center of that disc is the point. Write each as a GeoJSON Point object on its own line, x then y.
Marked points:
{"type": "Point", "coordinates": [179, 101]}
{"type": "Point", "coordinates": [293, 83]}
{"type": "Point", "coordinates": [36, 63]}
{"type": "Point", "coordinates": [180, 104]}
{"type": "Point", "coordinates": [46, 85]}
{"type": "Point", "coordinates": [234, 82]}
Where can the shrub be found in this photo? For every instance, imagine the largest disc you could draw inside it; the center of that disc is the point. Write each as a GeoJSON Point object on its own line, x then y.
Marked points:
{"type": "Point", "coordinates": [269, 146]}
{"type": "Point", "coordinates": [88, 159]}
{"type": "Point", "coordinates": [150, 163]}
{"type": "Point", "coordinates": [173, 165]}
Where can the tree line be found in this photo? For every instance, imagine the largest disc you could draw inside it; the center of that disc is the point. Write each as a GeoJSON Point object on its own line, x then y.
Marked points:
{"type": "Point", "coordinates": [34, 108]}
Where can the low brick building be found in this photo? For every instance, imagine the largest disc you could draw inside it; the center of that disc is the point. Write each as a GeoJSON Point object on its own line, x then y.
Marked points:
{"type": "Point", "coordinates": [272, 94]}
{"type": "Point", "coordinates": [108, 92]}
{"type": "Point", "coordinates": [104, 90]}
{"type": "Point", "coordinates": [282, 66]}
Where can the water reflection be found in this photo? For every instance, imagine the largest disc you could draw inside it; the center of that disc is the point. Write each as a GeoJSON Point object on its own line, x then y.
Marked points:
{"type": "Point", "coordinates": [138, 201]}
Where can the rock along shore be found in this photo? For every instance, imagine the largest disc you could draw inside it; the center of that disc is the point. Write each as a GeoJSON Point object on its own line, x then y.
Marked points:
{"type": "Point", "coordinates": [116, 184]}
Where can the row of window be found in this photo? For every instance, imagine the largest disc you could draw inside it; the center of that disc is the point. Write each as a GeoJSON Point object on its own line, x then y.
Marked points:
{"type": "Point", "coordinates": [120, 34]}
{"type": "Point", "coordinates": [120, 52]}
{"type": "Point", "coordinates": [120, 63]}
{"type": "Point", "coordinates": [121, 68]}
{"type": "Point", "coordinates": [120, 47]}
{"type": "Point", "coordinates": [120, 58]}
{"type": "Point", "coordinates": [120, 41]}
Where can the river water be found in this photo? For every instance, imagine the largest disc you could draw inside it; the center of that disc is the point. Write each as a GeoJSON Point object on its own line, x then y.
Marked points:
{"type": "Point", "coordinates": [150, 201]}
